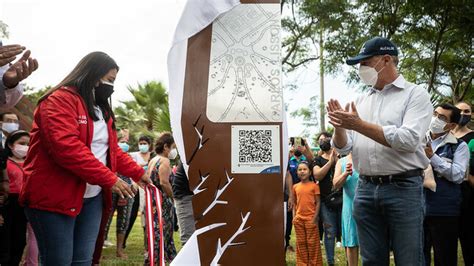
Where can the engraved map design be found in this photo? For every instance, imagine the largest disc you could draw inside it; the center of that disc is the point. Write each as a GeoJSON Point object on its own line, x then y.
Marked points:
{"type": "Point", "coordinates": [245, 68]}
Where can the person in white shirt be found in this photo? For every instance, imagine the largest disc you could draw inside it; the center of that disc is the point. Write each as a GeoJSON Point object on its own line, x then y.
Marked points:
{"type": "Point", "coordinates": [385, 130]}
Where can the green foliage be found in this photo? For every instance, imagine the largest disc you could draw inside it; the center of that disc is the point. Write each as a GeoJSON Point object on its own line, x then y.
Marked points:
{"type": "Point", "coordinates": [435, 38]}
{"type": "Point", "coordinates": [147, 114]}
{"type": "Point", "coordinates": [309, 115]}
{"type": "Point", "coordinates": [34, 94]}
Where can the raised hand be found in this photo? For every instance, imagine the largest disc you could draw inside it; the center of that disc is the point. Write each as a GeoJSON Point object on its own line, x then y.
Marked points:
{"type": "Point", "coordinates": [20, 70]}
{"type": "Point", "coordinates": [8, 53]}
{"type": "Point", "coordinates": [347, 118]}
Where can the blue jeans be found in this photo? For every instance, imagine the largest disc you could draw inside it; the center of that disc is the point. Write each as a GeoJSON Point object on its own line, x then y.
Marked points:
{"type": "Point", "coordinates": [330, 220]}
{"type": "Point", "coordinates": [66, 240]}
{"type": "Point", "coordinates": [390, 216]}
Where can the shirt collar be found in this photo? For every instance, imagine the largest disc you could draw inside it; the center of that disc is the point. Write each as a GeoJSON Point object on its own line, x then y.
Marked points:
{"type": "Point", "coordinates": [399, 82]}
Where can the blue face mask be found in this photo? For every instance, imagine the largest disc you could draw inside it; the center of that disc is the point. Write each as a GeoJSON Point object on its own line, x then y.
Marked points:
{"type": "Point", "coordinates": [124, 146]}
{"type": "Point", "coordinates": [144, 148]}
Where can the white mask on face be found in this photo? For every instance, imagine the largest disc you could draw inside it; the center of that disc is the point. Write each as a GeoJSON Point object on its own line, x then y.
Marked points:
{"type": "Point", "coordinates": [437, 125]}
{"type": "Point", "coordinates": [10, 127]}
{"type": "Point", "coordinates": [369, 75]}
{"type": "Point", "coordinates": [20, 151]}
{"type": "Point", "coordinates": [173, 153]}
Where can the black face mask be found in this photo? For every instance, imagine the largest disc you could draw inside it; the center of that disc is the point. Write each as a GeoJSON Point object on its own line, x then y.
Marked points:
{"type": "Point", "coordinates": [465, 119]}
{"type": "Point", "coordinates": [298, 153]}
{"type": "Point", "coordinates": [103, 92]}
{"type": "Point", "coordinates": [325, 145]}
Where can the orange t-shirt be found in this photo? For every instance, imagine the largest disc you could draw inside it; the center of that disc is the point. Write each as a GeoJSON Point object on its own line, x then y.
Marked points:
{"type": "Point", "coordinates": [305, 200]}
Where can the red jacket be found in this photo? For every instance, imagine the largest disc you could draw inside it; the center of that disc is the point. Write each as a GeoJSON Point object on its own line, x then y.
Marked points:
{"type": "Point", "coordinates": [60, 161]}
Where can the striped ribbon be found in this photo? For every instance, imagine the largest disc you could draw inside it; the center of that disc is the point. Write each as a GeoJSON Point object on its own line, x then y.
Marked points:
{"type": "Point", "coordinates": [152, 192]}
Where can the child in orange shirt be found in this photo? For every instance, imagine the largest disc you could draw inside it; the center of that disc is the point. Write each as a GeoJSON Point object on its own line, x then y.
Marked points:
{"type": "Point", "coordinates": [305, 221]}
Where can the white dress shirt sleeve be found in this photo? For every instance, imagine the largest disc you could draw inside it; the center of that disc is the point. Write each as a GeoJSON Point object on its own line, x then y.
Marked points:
{"type": "Point", "coordinates": [346, 149]}
{"type": "Point", "coordinates": [455, 170]}
{"type": "Point", "coordinates": [415, 124]}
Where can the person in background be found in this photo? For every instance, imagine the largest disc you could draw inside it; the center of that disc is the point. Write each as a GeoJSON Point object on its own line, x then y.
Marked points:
{"type": "Point", "coordinates": [11, 91]}
{"type": "Point", "coordinates": [10, 123]}
{"type": "Point", "coordinates": [385, 129]}
{"type": "Point", "coordinates": [142, 157]}
{"type": "Point", "coordinates": [449, 158]}
{"type": "Point", "coordinates": [297, 154]}
{"type": "Point", "coordinates": [466, 217]}
{"type": "Point", "coordinates": [306, 192]}
{"type": "Point", "coordinates": [346, 178]}
{"type": "Point", "coordinates": [323, 171]}
{"type": "Point", "coordinates": [70, 170]}
{"type": "Point", "coordinates": [122, 205]}
{"type": "Point", "coordinates": [16, 147]}
{"type": "Point", "coordinates": [160, 172]}
{"type": "Point", "coordinates": [183, 203]}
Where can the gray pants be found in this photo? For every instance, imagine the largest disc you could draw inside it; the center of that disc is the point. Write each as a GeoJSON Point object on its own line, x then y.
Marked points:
{"type": "Point", "coordinates": [184, 211]}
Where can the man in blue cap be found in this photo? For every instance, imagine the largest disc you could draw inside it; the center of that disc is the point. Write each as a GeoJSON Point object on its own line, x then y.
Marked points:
{"type": "Point", "coordinates": [385, 130]}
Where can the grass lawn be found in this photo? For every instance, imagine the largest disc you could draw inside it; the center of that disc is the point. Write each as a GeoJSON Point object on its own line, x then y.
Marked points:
{"type": "Point", "coordinates": [135, 249]}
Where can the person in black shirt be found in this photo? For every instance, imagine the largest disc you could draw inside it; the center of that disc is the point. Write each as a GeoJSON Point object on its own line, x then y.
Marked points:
{"type": "Point", "coordinates": [183, 204]}
{"type": "Point", "coordinates": [323, 170]}
{"type": "Point", "coordinates": [466, 218]}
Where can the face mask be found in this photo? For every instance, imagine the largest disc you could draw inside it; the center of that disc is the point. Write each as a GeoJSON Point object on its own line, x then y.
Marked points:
{"type": "Point", "coordinates": [437, 125]}
{"type": "Point", "coordinates": [465, 119]}
{"type": "Point", "coordinates": [298, 153]}
{"type": "Point", "coordinates": [10, 127]}
{"type": "Point", "coordinates": [325, 145]}
{"type": "Point", "coordinates": [124, 146]}
{"type": "Point", "coordinates": [369, 75]}
{"type": "Point", "coordinates": [103, 91]}
{"type": "Point", "coordinates": [20, 151]}
{"type": "Point", "coordinates": [144, 148]}
{"type": "Point", "coordinates": [172, 155]}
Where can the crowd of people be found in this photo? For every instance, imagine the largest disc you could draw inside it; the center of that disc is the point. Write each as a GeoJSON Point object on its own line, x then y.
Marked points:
{"type": "Point", "coordinates": [397, 174]}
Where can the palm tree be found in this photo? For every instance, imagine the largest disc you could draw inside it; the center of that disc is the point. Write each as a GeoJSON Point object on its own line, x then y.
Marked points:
{"type": "Point", "coordinates": [147, 113]}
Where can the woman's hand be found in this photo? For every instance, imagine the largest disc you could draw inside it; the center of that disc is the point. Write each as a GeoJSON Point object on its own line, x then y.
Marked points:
{"type": "Point", "coordinates": [123, 189]}
{"type": "Point", "coordinates": [145, 180]}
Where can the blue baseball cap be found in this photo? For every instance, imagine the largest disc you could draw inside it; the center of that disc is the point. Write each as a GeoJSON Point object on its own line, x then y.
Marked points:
{"type": "Point", "coordinates": [372, 47]}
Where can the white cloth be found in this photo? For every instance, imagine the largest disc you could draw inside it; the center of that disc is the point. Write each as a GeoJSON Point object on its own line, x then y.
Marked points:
{"type": "Point", "coordinates": [404, 111]}
{"type": "Point", "coordinates": [100, 148]}
{"type": "Point", "coordinates": [453, 170]}
{"type": "Point", "coordinates": [10, 96]}
{"type": "Point", "coordinates": [137, 158]}
{"type": "Point", "coordinates": [196, 16]}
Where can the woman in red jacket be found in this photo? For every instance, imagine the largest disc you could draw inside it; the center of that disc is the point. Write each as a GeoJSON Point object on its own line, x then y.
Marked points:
{"type": "Point", "coordinates": [71, 164]}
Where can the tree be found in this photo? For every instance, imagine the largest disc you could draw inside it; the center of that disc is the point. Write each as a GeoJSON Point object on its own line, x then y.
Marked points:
{"type": "Point", "coordinates": [33, 94]}
{"type": "Point", "coordinates": [434, 37]}
{"type": "Point", "coordinates": [147, 113]}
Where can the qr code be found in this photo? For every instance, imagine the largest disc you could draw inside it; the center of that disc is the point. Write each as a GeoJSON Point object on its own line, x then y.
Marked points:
{"type": "Point", "coordinates": [255, 146]}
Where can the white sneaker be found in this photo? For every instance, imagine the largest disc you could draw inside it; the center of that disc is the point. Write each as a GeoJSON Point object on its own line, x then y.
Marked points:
{"type": "Point", "coordinates": [338, 244]}
{"type": "Point", "coordinates": [107, 243]}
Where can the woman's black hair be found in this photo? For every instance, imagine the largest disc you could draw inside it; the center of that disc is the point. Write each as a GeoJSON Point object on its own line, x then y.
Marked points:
{"type": "Point", "coordinates": [14, 136]}
{"type": "Point", "coordinates": [165, 139]}
{"type": "Point", "coordinates": [84, 77]}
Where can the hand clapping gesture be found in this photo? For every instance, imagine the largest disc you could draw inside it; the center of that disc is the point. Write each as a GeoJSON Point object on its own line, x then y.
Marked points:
{"type": "Point", "coordinates": [347, 118]}
{"type": "Point", "coordinates": [19, 70]}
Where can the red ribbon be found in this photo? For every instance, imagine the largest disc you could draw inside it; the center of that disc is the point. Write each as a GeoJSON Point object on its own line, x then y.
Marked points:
{"type": "Point", "coordinates": [152, 192]}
